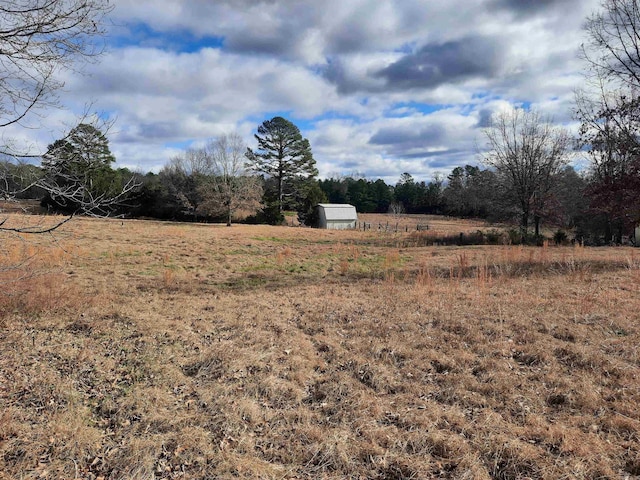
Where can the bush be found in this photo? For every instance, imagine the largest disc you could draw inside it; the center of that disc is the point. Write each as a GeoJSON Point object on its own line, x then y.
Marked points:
{"type": "Point", "coordinates": [560, 237]}
{"type": "Point", "coordinates": [492, 237]}
{"type": "Point", "coordinates": [517, 237]}
{"type": "Point", "coordinates": [270, 214]}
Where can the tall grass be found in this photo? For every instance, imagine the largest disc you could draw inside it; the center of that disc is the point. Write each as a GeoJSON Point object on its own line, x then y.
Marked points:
{"type": "Point", "coordinates": [32, 279]}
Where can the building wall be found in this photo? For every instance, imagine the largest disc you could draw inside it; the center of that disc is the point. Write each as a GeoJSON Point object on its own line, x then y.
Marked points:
{"type": "Point", "coordinates": [322, 219]}
{"type": "Point", "coordinates": [340, 225]}
{"type": "Point", "coordinates": [342, 222]}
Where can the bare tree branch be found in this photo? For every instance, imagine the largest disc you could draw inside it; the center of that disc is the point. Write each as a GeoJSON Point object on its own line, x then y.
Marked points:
{"type": "Point", "coordinates": [229, 187]}
{"type": "Point", "coordinates": [34, 229]}
{"type": "Point", "coordinates": [38, 39]}
{"type": "Point", "coordinates": [527, 152]}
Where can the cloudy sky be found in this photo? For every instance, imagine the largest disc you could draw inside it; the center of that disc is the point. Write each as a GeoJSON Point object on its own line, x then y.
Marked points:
{"type": "Point", "coordinates": [379, 87]}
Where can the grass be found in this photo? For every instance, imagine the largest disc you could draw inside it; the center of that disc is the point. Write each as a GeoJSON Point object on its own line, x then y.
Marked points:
{"type": "Point", "coordinates": [149, 350]}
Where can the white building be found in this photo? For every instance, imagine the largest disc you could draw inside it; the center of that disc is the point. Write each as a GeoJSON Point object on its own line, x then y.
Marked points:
{"type": "Point", "coordinates": [337, 216]}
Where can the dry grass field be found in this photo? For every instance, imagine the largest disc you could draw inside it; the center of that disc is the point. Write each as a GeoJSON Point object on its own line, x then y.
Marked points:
{"type": "Point", "coordinates": [140, 350]}
{"type": "Point", "coordinates": [440, 225]}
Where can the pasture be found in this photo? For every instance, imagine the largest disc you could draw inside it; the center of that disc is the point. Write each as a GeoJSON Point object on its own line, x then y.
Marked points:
{"type": "Point", "coordinates": [141, 349]}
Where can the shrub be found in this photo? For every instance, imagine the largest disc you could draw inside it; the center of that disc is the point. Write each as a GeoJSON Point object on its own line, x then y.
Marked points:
{"type": "Point", "coordinates": [560, 237]}
{"type": "Point", "coordinates": [492, 237]}
{"type": "Point", "coordinates": [517, 237]}
{"type": "Point", "coordinates": [270, 214]}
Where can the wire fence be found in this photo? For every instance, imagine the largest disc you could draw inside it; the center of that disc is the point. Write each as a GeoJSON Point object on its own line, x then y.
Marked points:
{"type": "Point", "coordinates": [391, 227]}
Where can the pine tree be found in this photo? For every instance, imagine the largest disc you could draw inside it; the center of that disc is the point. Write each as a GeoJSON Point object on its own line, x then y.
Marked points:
{"type": "Point", "coordinates": [282, 154]}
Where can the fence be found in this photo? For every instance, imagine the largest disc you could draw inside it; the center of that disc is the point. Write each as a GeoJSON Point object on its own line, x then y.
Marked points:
{"type": "Point", "coordinates": [386, 227]}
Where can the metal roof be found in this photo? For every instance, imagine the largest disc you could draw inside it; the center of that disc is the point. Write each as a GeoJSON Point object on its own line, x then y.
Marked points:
{"type": "Point", "coordinates": [339, 211]}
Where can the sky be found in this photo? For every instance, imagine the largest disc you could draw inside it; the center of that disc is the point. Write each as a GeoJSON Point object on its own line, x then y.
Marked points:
{"type": "Point", "coordinates": [379, 87]}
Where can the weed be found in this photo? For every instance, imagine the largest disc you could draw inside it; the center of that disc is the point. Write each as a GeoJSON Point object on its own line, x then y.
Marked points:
{"type": "Point", "coordinates": [168, 277]}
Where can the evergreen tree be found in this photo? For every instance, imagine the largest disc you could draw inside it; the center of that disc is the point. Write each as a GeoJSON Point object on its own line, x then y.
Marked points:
{"type": "Point", "coordinates": [282, 154]}
{"type": "Point", "coordinates": [78, 174]}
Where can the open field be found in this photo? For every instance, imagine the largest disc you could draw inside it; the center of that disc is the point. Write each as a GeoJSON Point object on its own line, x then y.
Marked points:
{"type": "Point", "coordinates": [438, 224]}
{"type": "Point", "coordinates": [139, 349]}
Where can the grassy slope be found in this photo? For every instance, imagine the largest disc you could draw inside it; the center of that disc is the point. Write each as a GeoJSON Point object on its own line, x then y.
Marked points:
{"type": "Point", "coordinates": [191, 351]}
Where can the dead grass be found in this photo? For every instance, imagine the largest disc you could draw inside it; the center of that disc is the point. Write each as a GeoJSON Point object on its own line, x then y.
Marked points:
{"type": "Point", "coordinates": [31, 273]}
{"type": "Point", "coordinates": [198, 351]}
{"type": "Point", "coordinates": [438, 224]}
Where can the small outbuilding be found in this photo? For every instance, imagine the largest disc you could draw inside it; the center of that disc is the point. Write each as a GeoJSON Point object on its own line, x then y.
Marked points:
{"type": "Point", "coordinates": [636, 239]}
{"type": "Point", "coordinates": [337, 216]}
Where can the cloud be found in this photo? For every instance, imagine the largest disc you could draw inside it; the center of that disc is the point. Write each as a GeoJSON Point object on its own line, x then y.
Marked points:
{"type": "Point", "coordinates": [523, 8]}
{"type": "Point", "coordinates": [380, 87]}
{"type": "Point", "coordinates": [356, 73]}
{"type": "Point", "coordinates": [395, 136]}
{"type": "Point", "coordinates": [449, 62]}
{"type": "Point", "coordinates": [484, 118]}
{"type": "Point", "coordinates": [423, 144]}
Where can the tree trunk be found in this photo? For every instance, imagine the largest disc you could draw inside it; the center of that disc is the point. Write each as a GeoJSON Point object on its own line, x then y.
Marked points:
{"type": "Point", "coordinates": [607, 232]}
{"type": "Point", "coordinates": [619, 231]}
{"type": "Point", "coordinates": [524, 223]}
{"type": "Point", "coordinates": [536, 219]}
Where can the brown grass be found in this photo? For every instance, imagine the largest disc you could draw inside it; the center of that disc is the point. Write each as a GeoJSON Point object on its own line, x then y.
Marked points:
{"type": "Point", "coordinates": [438, 225]}
{"type": "Point", "coordinates": [159, 350]}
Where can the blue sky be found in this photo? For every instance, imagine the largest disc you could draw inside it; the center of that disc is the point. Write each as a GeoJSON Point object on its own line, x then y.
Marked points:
{"type": "Point", "coordinates": [379, 87]}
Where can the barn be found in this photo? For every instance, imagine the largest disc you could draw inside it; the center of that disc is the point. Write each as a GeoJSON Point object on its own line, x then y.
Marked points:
{"type": "Point", "coordinates": [337, 216]}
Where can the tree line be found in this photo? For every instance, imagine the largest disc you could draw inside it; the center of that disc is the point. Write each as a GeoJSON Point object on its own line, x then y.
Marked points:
{"type": "Point", "coordinates": [226, 181]}
{"type": "Point", "coordinates": [525, 176]}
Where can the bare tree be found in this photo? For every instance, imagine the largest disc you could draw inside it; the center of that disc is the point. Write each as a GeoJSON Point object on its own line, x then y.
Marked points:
{"type": "Point", "coordinates": [609, 125]}
{"type": "Point", "coordinates": [526, 151]}
{"type": "Point", "coordinates": [38, 39]}
{"type": "Point", "coordinates": [229, 187]}
{"type": "Point", "coordinates": [613, 44]}
{"type": "Point", "coordinates": [193, 162]}
{"type": "Point", "coordinates": [396, 209]}
{"type": "Point", "coordinates": [609, 114]}
{"type": "Point", "coordinates": [183, 175]}
{"type": "Point", "coordinates": [611, 106]}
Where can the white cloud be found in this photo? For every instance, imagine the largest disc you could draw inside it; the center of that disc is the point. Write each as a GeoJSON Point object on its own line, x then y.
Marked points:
{"type": "Point", "coordinates": [358, 75]}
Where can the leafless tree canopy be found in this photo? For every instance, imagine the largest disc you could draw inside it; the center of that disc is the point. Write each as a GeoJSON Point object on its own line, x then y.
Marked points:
{"type": "Point", "coordinates": [229, 187]}
{"type": "Point", "coordinates": [609, 111]}
{"type": "Point", "coordinates": [38, 38]}
{"type": "Point", "coordinates": [610, 122]}
{"type": "Point", "coordinates": [526, 151]}
{"type": "Point", "coordinates": [613, 46]}
{"type": "Point", "coordinates": [609, 114]}
{"type": "Point", "coordinates": [213, 180]}
{"type": "Point", "coordinates": [396, 209]}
